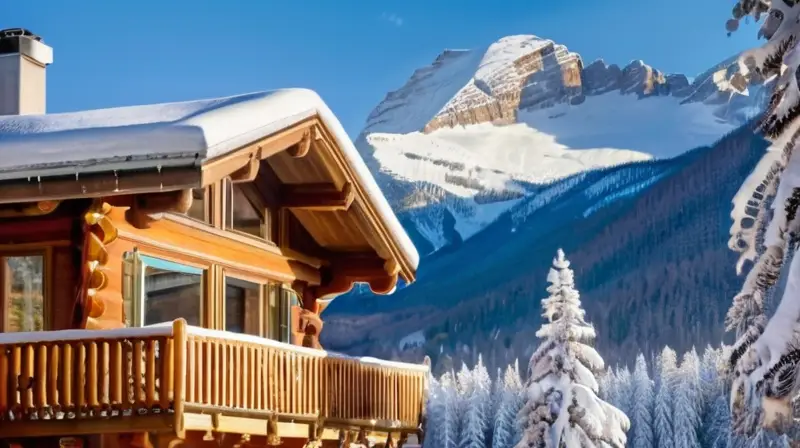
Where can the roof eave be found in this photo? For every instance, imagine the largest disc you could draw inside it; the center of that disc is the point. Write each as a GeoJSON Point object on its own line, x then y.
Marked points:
{"type": "Point", "coordinates": [99, 184]}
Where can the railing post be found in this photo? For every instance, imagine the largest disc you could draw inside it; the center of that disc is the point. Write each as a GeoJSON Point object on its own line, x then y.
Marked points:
{"type": "Point", "coordinates": [179, 374]}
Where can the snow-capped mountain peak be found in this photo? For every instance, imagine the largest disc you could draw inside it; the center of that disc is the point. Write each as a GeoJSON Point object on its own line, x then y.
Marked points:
{"type": "Point", "coordinates": [469, 136]}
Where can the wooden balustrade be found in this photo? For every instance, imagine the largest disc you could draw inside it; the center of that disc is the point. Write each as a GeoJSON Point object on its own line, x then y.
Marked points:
{"type": "Point", "coordinates": [67, 375]}
{"type": "Point", "coordinates": [374, 393]}
{"type": "Point", "coordinates": [252, 375]}
{"type": "Point", "coordinates": [169, 370]}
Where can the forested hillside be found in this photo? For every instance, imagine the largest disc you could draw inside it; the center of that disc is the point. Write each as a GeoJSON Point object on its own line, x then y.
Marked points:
{"type": "Point", "coordinates": [648, 242]}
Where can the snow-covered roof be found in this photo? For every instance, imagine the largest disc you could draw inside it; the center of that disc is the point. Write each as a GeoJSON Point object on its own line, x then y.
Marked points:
{"type": "Point", "coordinates": [172, 135]}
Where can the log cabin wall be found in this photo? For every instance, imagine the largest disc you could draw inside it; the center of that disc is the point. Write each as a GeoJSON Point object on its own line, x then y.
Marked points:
{"type": "Point", "coordinates": [228, 263]}
{"type": "Point", "coordinates": [40, 258]}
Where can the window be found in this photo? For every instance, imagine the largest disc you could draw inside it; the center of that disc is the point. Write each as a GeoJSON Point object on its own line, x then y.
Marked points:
{"type": "Point", "coordinates": [244, 312]}
{"type": "Point", "coordinates": [158, 291]}
{"type": "Point", "coordinates": [199, 208]}
{"type": "Point", "coordinates": [243, 211]}
{"type": "Point", "coordinates": [242, 306]}
{"type": "Point", "coordinates": [281, 301]}
{"type": "Point", "coordinates": [22, 281]}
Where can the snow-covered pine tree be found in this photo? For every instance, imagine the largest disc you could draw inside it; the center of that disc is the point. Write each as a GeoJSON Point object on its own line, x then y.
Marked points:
{"type": "Point", "coordinates": [766, 357]}
{"type": "Point", "coordinates": [768, 439]}
{"type": "Point", "coordinates": [506, 418]}
{"type": "Point", "coordinates": [662, 419]}
{"type": "Point", "coordinates": [718, 426]}
{"type": "Point", "coordinates": [711, 387]}
{"type": "Point", "coordinates": [605, 384]}
{"type": "Point", "coordinates": [498, 390]}
{"type": "Point", "coordinates": [482, 396]}
{"type": "Point", "coordinates": [624, 391]}
{"type": "Point", "coordinates": [432, 411]}
{"type": "Point", "coordinates": [513, 381]}
{"type": "Point", "coordinates": [464, 385]}
{"type": "Point", "coordinates": [561, 407]}
{"type": "Point", "coordinates": [498, 387]}
{"type": "Point", "coordinates": [642, 403]}
{"type": "Point", "coordinates": [443, 417]}
{"type": "Point", "coordinates": [477, 392]}
{"type": "Point", "coordinates": [686, 417]}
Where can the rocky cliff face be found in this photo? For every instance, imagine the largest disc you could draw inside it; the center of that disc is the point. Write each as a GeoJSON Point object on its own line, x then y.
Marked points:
{"type": "Point", "coordinates": [515, 72]}
{"type": "Point", "coordinates": [525, 72]}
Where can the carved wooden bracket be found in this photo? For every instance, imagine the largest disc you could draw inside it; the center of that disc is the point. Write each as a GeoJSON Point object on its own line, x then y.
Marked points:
{"type": "Point", "coordinates": [146, 208]}
{"type": "Point", "coordinates": [248, 172]}
{"type": "Point", "coordinates": [302, 148]}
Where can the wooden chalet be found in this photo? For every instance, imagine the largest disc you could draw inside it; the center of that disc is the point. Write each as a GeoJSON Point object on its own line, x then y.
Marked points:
{"type": "Point", "coordinates": [163, 269]}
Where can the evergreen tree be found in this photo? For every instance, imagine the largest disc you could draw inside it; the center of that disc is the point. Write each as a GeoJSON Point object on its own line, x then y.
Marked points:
{"type": "Point", "coordinates": [498, 390]}
{"type": "Point", "coordinates": [642, 413]}
{"type": "Point", "coordinates": [765, 210]}
{"type": "Point", "coordinates": [711, 388]}
{"type": "Point", "coordinates": [662, 421]}
{"type": "Point", "coordinates": [482, 397]}
{"type": "Point", "coordinates": [561, 407]}
{"type": "Point", "coordinates": [513, 381]}
{"type": "Point", "coordinates": [686, 417]}
{"type": "Point", "coordinates": [476, 390]}
{"type": "Point", "coordinates": [605, 385]}
{"type": "Point", "coordinates": [718, 426]}
{"type": "Point", "coordinates": [432, 410]}
{"type": "Point", "coordinates": [443, 416]}
{"type": "Point", "coordinates": [465, 385]}
{"type": "Point", "coordinates": [624, 391]}
{"type": "Point", "coordinates": [506, 419]}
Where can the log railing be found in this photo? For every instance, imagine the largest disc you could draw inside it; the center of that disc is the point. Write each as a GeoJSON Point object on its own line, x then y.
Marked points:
{"type": "Point", "coordinates": [167, 370]}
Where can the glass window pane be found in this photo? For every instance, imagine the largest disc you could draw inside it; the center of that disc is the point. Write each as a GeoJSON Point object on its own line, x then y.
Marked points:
{"type": "Point", "coordinates": [241, 306]}
{"type": "Point", "coordinates": [198, 208]}
{"type": "Point", "coordinates": [171, 291]}
{"type": "Point", "coordinates": [242, 215]}
{"type": "Point", "coordinates": [23, 289]}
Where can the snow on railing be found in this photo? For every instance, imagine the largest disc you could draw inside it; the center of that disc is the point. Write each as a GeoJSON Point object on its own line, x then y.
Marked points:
{"type": "Point", "coordinates": [93, 374]}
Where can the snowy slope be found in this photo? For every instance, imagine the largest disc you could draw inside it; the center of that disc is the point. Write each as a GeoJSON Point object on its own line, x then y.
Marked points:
{"type": "Point", "coordinates": [471, 135]}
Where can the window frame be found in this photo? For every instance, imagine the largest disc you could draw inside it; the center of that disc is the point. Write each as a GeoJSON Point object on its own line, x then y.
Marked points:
{"type": "Point", "coordinates": [265, 285]}
{"type": "Point", "coordinates": [262, 296]}
{"type": "Point", "coordinates": [213, 313]}
{"type": "Point", "coordinates": [44, 251]}
{"type": "Point", "coordinates": [207, 207]}
{"type": "Point", "coordinates": [134, 271]}
{"type": "Point", "coordinates": [252, 195]}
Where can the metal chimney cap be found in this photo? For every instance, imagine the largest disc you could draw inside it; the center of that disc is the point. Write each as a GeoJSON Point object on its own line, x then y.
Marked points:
{"type": "Point", "coordinates": [23, 42]}
{"type": "Point", "coordinates": [17, 32]}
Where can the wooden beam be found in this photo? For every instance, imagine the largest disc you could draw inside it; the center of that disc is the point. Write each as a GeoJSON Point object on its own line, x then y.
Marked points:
{"type": "Point", "coordinates": [69, 427]}
{"type": "Point", "coordinates": [99, 185]}
{"type": "Point", "coordinates": [317, 197]}
{"type": "Point", "coordinates": [147, 208]}
{"type": "Point", "coordinates": [248, 172]}
{"type": "Point", "coordinates": [362, 266]}
{"type": "Point", "coordinates": [28, 209]}
{"type": "Point", "coordinates": [225, 165]}
{"type": "Point", "coordinates": [301, 148]}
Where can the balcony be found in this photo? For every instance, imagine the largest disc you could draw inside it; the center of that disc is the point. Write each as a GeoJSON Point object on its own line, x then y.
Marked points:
{"type": "Point", "coordinates": [174, 378]}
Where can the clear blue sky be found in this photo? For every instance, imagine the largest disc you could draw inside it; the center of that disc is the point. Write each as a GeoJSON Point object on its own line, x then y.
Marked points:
{"type": "Point", "coordinates": [125, 52]}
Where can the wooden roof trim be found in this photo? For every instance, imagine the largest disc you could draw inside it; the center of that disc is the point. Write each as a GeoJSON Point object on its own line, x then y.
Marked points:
{"type": "Point", "coordinates": [297, 139]}
{"type": "Point", "coordinates": [242, 164]}
{"type": "Point", "coordinates": [362, 198]}
{"type": "Point", "coordinates": [96, 185]}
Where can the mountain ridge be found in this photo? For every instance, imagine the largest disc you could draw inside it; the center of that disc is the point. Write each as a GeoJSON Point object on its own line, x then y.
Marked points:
{"type": "Point", "coordinates": [476, 185]}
